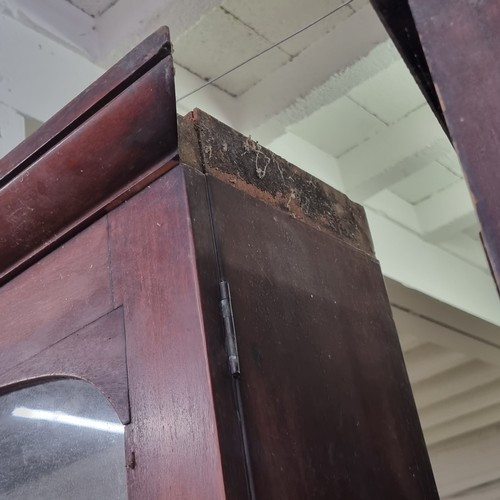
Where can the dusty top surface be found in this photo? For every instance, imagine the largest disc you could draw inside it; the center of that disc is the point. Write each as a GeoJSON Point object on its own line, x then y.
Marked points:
{"type": "Point", "coordinates": [218, 150]}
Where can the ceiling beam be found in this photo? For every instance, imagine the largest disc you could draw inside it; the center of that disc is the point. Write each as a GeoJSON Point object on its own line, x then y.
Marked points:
{"type": "Point", "coordinates": [137, 20]}
{"type": "Point", "coordinates": [12, 129]}
{"type": "Point", "coordinates": [393, 207]}
{"type": "Point", "coordinates": [427, 330]}
{"type": "Point", "coordinates": [429, 360]}
{"type": "Point", "coordinates": [286, 93]}
{"type": "Point", "coordinates": [408, 259]}
{"type": "Point", "coordinates": [59, 20]}
{"type": "Point", "coordinates": [453, 382]}
{"type": "Point", "coordinates": [446, 213]}
{"type": "Point", "coordinates": [458, 406]}
{"type": "Point", "coordinates": [392, 154]}
{"type": "Point", "coordinates": [40, 76]}
{"type": "Point", "coordinates": [466, 248]}
{"type": "Point", "coordinates": [408, 341]}
{"type": "Point", "coordinates": [466, 462]}
{"type": "Point", "coordinates": [464, 424]}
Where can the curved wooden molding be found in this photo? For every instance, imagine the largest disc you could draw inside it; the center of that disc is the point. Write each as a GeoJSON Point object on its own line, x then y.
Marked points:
{"type": "Point", "coordinates": [95, 353]}
{"type": "Point", "coordinates": [108, 143]}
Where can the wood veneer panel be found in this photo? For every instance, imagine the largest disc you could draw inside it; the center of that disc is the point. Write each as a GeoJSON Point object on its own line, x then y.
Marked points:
{"type": "Point", "coordinates": [173, 436]}
{"type": "Point", "coordinates": [60, 294]}
{"type": "Point", "coordinates": [328, 404]}
{"type": "Point", "coordinates": [95, 353]}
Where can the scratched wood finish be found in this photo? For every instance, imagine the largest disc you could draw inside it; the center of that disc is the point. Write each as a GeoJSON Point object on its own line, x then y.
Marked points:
{"type": "Point", "coordinates": [173, 437]}
{"type": "Point", "coordinates": [113, 153]}
{"type": "Point", "coordinates": [328, 404]}
{"type": "Point", "coordinates": [461, 41]}
{"type": "Point", "coordinates": [95, 353]}
{"type": "Point", "coordinates": [57, 296]}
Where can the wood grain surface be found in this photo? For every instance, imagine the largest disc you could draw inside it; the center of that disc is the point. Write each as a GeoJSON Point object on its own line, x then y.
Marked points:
{"type": "Point", "coordinates": [173, 437]}
{"type": "Point", "coordinates": [461, 42]}
{"type": "Point", "coordinates": [327, 401]}
{"type": "Point", "coordinates": [57, 296]}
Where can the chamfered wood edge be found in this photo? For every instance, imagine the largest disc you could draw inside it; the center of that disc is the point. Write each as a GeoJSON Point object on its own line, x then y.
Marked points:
{"type": "Point", "coordinates": [218, 150]}
{"type": "Point", "coordinates": [121, 142]}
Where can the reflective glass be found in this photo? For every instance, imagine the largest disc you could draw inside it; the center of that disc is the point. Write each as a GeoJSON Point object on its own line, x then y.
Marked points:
{"type": "Point", "coordinates": [60, 440]}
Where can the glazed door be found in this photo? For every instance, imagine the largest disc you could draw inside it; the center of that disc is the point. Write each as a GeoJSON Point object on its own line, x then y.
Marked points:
{"type": "Point", "coordinates": [118, 306]}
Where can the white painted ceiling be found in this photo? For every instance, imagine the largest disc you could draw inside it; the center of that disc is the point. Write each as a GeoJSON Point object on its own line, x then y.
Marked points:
{"type": "Point", "coordinates": [338, 101]}
{"type": "Point", "coordinates": [93, 8]}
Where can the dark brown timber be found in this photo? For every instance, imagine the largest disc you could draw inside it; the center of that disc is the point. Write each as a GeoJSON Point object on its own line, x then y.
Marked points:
{"type": "Point", "coordinates": [461, 41]}
{"type": "Point", "coordinates": [327, 403]}
{"type": "Point", "coordinates": [323, 408]}
{"type": "Point", "coordinates": [125, 138]}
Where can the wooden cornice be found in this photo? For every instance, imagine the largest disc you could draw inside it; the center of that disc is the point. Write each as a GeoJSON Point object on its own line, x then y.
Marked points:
{"type": "Point", "coordinates": [105, 145]}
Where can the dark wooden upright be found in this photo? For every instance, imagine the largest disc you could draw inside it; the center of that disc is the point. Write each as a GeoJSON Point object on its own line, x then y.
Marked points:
{"type": "Point", "coordinates": [115, 239]}
{"type": "Point", "coordinates": [452, 48]}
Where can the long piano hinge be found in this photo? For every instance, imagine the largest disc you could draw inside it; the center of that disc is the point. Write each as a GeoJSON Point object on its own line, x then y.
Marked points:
{"type": "Point", "coordinates": [226, 308]}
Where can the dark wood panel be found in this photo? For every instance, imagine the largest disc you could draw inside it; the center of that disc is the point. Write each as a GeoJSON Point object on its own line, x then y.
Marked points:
{"type": "Point", "coordinates": [95, 353]}
{"type": "Point", "coordinates": [172, 441]}
{"type": "Point", "coordinates": [113, 154]}
{"type": "Point", "coordinates": [57, 296]}
{"type": "Point", "coordinates": [328, 404]}
{"type": "Point", "coordinates": [461, 42]}
{"type": "Point", "coordinates": [104, 89]}
{"type": "Point", "coordinates": [228, 421]}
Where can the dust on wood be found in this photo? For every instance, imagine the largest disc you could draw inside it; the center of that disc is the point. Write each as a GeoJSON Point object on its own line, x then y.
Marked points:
{"type": "Point", "coordinates": [215, 148]}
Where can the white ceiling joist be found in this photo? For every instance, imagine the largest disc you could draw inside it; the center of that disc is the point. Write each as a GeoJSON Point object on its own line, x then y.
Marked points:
{"type": "Point", "coordinates": [467, 462]}
{"type": "Point", "coordinates": [313, 69]}
{"type": "Point", "coordinates": [464, 424]}
{"type": "Point", "coordinates": [453, 382]}
{"type": "Point", "coordinates": [426, 330]}
{"type": "Point", "coordinates": [137, 20]}
{"type": "Point", "coordinates": [429, 360]}
{"type": "Point", "coordinates": [446, 213]}
{"type": "Point", "coordinates": [59, 20]}
{"type": "Point", "coordinates": [11, 129]}
{"type": "Point", "coordinates": [461, 405]}
{"type": "Point", "coordinates": [392, 154]}
{"type": "Point", "coordinates": [435, 272]}
{"type": "Point", "coordinates": [40, 76]}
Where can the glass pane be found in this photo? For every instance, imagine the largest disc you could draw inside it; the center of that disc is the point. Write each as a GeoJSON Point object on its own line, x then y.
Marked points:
{"type": "Point", "coordinates": [60, 440]}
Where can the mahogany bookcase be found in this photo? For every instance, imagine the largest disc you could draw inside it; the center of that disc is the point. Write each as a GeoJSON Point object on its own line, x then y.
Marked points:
{"type": "Point", "coordinates": [226, 303]}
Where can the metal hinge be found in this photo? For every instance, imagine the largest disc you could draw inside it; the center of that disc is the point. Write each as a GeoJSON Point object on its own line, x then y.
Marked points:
{"type": "Point", "coordinates": [226, 309]}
